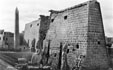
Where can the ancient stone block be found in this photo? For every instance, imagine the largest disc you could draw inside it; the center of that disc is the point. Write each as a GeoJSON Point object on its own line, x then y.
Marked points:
{"type": "Point", "coordinates": [81, 28]}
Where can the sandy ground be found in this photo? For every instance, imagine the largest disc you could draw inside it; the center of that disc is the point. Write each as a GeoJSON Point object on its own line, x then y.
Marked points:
{"type": "Point", "coordinates": [5, 66]}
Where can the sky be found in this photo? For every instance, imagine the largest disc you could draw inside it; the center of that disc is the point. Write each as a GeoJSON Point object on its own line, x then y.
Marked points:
{"type": "Point", "coordinates": [29, 10]}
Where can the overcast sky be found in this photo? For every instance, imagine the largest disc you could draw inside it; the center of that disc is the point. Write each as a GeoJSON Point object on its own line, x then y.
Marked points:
{"type": "Point", "coordinates": [30, 10]}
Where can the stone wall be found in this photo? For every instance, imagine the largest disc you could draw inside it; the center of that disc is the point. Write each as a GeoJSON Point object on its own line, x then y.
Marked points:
{"type": "Point", "coordinates": [80, 30]}
{"type": "Point", "coordinates": [32, 32]}
{"type": "Point", "coordinates": [9, 39]}
{"type": "Point", "coordinates": [69, 27]}
{"type": "Point", "coordinates": [44, 26]}
{"type": "Point", "coordinates": [97, 57]}
{"type": "Point", "coordinates": [35, 32]}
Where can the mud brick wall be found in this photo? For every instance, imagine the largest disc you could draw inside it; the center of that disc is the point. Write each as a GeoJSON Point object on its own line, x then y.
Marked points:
{"type": "Point", "coordinates": [81, 27]}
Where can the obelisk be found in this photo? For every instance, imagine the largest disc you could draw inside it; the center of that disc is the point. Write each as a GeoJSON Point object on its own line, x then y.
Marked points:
{"type": "Point", "coordinates": [16, 32]}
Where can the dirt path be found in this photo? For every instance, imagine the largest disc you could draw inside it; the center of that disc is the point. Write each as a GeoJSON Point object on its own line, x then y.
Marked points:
{"type": "Point", "coordinates": [5, 66]}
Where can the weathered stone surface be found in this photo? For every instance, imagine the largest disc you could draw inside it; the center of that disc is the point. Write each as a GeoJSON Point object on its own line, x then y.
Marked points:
{"type": "Point", "coordinates": [81, 28]}
{"type": "Point", "coordinates": [32, 32]}
{"type": "Point", "coordinates": [36, 30]}
{"type": "Point", "coordinates": [96, 49]}
{"type": "Point", "coordinates": [44, 26]}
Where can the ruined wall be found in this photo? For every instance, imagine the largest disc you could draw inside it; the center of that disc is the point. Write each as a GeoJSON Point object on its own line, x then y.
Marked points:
{"type": "Point", "coordinates": [81, 29]}
{"type": "Point", "coordinates": [36, 31]}
{"type": "Point", "coordinates": [44, 26]}
{"type": "Point", "coordinates": [69, 27]}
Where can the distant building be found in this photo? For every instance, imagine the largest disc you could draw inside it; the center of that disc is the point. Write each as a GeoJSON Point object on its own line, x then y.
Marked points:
{"type": "Point", "coordinates": [1, 38]}
{"type": "Point", "coordinates": [6, 39]}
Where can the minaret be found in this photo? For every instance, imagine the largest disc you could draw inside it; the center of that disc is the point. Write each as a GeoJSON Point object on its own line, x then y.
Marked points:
{"type": "Point", "coordinates": [16, 34]}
